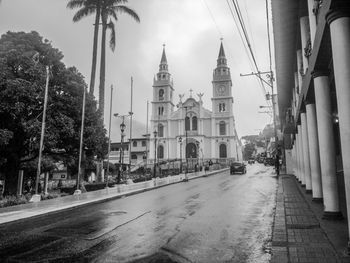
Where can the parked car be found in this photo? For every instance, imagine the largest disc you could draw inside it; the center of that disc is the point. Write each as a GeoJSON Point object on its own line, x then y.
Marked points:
{"type": "Point", "coordinates": [237, 167]}
{"type": "Point", "coordinates": [269, 161]}
{"type": "Point", "coordinates": [251, 161]}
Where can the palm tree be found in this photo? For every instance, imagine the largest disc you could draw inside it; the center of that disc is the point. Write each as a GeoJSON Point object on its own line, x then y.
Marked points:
{"type": "Point", "coordinates": [88, 7]}
{"type": "Point", "coordinates": [109, 10]}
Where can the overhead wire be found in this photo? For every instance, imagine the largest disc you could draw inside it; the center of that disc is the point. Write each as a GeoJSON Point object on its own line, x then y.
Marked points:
{"type": "Point", "coordinates": [212, 17]}
{"type": "Point", "coordinates": [245, 40]}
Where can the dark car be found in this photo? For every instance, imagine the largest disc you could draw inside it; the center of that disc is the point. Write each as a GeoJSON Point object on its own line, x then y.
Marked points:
{"type": "Point", "coordinates": [238, 167]}
{"type": "Point", "coordinates": [251, 161]}
{"type": "Point", "coordinates": [269, 161]}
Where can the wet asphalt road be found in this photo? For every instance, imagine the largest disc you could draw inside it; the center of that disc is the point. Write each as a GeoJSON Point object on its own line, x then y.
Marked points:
{"type": "Point", "coordinates": [221, 218]}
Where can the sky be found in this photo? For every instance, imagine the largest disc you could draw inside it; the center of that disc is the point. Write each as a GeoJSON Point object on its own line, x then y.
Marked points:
{"type": "Point", "coordinates": [191, 31]}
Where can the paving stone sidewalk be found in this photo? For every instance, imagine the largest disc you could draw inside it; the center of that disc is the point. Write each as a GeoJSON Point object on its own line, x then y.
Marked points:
{"type": "Point", "coordinates": [297, 235]}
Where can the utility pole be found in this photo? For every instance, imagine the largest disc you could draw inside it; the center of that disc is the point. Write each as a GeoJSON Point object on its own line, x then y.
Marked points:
{"type": "Point", "coordinates": [130, 113]}
{"type": "Point", "coordinates": [109, 135]}
{"type": "Point", "coordinates": [37, 196]}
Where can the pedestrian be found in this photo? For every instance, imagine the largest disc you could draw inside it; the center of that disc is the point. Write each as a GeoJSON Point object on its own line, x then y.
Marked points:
{"type": "Point", "coordinates": [277, 164]}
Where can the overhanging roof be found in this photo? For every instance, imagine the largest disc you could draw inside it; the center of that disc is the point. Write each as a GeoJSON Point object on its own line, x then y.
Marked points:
{"type": "Point", "coordinates": [285, 28]}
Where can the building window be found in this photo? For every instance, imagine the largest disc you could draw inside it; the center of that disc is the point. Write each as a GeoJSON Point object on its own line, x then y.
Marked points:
{"type": "Point", "coordinates": [143, 143]}
{"type": "Point", "coordinates": [134, 144]}
{"type": "Point", "coordinates": [222, 128]}
{"type": "Point", "coordinates": [187, 123]}
{"type": "Point", "coordinates": [222, 151]}
{"type": "Point", "coordinates": [161, 93]}
{"type": "Point", "coordinates": [194, 123]}
{"type": "Point", "coordinates": [160, 130]}
{"type": "Point", "coordinates": [160, 110]}
{"type": "Point", "coordinates": [160, 152]}
{"type": "Point", "coordinates": [222, 107]}
{"type": "Point", "coordinates": [134, 156]}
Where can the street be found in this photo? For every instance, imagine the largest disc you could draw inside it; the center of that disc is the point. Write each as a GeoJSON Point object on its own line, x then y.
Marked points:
{"type": "Point", "coordinates": [220, 218]}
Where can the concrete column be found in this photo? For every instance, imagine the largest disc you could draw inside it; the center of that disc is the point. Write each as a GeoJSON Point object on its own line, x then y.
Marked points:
{"type": "Point", "coordinates": [297, 168]}
{"type": "Point", "coordinates": [312, 20]}
{"type": "Point", "coordinates": [301, 156]}
{"type": "Point", "coordinates": [306, 153]}
{"type": "Point", "coordinates": [315, 166]}
{"type": "Point", "coordinates": [305, 34]}
{"type": "Point", "coordinates": [19, 183]}
{"type": "Point", "coordinates": [339, 24]}
{"type": "Point", "coordinates": [293, 161]}
{"type": "Point", "coordinates": [300, 70]}
{"type": "Point", "coordinates": [326, 145]}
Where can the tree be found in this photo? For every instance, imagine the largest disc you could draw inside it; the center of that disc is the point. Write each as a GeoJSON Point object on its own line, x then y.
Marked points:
{"type": "Point", "coordinates": [248, 151]}
{"type": "Point", "coordinates": [109, 10]}
{"type": "Point", "coordinates": [88, 7]}
{"type": "Point", "coordinates": [23, 58]}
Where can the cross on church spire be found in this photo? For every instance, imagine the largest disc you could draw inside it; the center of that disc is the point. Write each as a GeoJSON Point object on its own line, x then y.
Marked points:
{"type": "Point", "coordinates": [191, 90]}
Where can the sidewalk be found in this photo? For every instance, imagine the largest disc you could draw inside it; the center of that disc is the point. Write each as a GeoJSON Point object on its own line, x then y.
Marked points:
{"type": "Point", "coordinates": [299, 233]}
{"type": "Point", "coordinates": [43, 208]}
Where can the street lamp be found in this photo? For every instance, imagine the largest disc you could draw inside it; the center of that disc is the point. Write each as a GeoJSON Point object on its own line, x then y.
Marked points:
{"type": "Point", "coordinates": [197, 144]}
{"type": "Point", "coordinates": [180, 141]}
{"type": "Point", "coordinates": [186, 109]}
{"type": "Point", "coordinates": [122, 135]}
{"type": "Point", "coordinates": [155, 152]}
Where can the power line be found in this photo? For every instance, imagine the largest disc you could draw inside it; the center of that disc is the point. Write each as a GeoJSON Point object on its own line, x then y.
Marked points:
{"type": "Point", "coordinates": [245, 40]}
{"type": "Point", "coordinates": [212, 17]}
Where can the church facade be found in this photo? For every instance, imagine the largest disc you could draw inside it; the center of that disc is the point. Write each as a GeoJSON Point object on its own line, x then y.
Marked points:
{"type": "Point", "coordinates": [188, 130]}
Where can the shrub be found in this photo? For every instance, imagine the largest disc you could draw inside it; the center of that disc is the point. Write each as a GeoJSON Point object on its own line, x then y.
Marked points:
{"type": "Point", "coordinates": [12, 200]}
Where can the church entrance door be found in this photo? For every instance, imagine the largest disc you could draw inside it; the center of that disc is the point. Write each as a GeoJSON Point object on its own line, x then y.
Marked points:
{"type": "Point", "coordinates": [191, 150]}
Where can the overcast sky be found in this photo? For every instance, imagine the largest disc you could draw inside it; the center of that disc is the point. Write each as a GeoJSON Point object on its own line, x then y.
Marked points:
{"type": "Point", "coordinates": [191, 30]}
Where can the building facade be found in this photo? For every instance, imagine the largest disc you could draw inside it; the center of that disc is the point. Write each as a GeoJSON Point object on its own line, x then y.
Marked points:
{"type": "Point", "coordinates": [191, 131]}
{"type": "Point", "coordinates": [312, 50]}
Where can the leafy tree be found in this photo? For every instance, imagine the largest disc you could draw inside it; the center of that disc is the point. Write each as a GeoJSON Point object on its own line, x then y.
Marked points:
{"type": "Point", "coordinates": [109, 10]}
{"type": "Point", "coordinates": [89, 7]}
{"type": "Point", "coordinates": [248, 151]}
{"type": "Point", "coordinates": [23, 59]}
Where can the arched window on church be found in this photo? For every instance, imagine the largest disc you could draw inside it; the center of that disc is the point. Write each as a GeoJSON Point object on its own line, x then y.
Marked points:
{"type": "Point", "coordinates": [194, 123]}
{"type": "Point", "coordinates": [161, 94]}
{"type": "Point", "coordinates": [187, 123]}
{"type": "Point", "coordinates": [160, 130]}
{"type": "Point", "coordinates": [222, 128]}
{"type": "Point", "coordinates": [160, 152]}
{"type": "Point", "coordinates": [222, 151]}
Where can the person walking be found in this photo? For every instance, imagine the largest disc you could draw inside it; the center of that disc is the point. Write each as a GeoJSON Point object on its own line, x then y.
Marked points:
{"type": "Point", "coordinates": [277, 164]}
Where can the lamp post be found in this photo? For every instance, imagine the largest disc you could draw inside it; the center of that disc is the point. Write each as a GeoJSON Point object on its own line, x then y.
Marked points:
{"type": "Point", "coordinates": [180, 141]}
{"type": "Point", "coordinates": [197, 144]}
{"type": "Point", "coordinates": [186, 109]}
{"type": "Point", "coordinates": [155, 152]}
{"type": "Point", "coordinates": [122, 135]}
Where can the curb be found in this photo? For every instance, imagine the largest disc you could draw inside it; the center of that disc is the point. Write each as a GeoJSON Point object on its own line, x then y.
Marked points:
{"type": "Point", "coordinates": [106, 199]}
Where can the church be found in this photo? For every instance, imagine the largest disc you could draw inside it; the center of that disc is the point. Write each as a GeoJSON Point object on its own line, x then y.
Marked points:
{"type": "Point", "coordinates": [188, 131]}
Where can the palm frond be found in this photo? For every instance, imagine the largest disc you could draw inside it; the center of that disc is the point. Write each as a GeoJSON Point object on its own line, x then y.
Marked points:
{"type": "Point", "coordinates": [126, 10]}
{"type": "Point", "coordinates": [84, 12]}
{"type": "Point", "coordinates": [75, 3]}
{"type": "Point", "coordinates": [112, 13]}
{"type": "Point", "coordinates": [112, 42]}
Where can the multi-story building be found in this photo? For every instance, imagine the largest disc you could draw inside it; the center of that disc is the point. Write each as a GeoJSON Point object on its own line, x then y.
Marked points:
{"type": "Point", "coordinates": [312, 51]}
{"type": "Point", "coordinates": [192, 131]}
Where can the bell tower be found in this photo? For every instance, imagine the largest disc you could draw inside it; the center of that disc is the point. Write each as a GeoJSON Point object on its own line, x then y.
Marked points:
{"type": "Point", "coordinates": [223, 126]}
{"type": "Point", "coordinates": [162, 106]}
{"type": "Point", "coordinates": [222, 99]}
